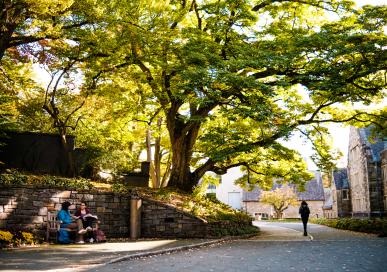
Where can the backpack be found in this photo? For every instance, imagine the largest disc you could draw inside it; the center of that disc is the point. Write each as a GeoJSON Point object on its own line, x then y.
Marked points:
{"type": "Point", "coordinates": [99, 236]}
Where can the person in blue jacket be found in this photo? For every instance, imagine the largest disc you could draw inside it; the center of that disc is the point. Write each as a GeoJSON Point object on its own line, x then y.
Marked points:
{"type": "Point", "coordinates": [68, 223]}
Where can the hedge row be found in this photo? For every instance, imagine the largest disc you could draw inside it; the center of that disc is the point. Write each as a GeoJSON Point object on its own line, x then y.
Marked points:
{"type": "Point", "coordinates": [376, 226]}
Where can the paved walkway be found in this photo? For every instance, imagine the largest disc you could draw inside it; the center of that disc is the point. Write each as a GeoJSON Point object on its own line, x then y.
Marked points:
{"type": "Point", "coordinates": [78, 257]}
{"type": "Point", "coordinates": [330, 250]}
{"type": "Point", "coordinates": [273, 232]}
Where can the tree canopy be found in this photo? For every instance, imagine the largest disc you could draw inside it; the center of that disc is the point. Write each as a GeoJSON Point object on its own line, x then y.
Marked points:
{"type": "Point", "coordinates": [231, 80]}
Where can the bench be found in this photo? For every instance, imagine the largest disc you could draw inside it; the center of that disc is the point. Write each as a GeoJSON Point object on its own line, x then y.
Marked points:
{"type": "Point", "coordinates": [53, 226]}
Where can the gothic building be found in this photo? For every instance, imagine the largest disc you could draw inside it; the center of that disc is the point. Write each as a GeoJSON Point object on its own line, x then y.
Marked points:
{"type": "Point", "coordinates": [366, 160]}
{"type": "Point", "coordinates": [337, 195]}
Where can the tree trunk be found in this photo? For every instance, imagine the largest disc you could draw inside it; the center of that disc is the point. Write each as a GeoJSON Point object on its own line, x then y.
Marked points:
{"type": "Point", "coordinates": [182, 146]}
{"type": "Point", "coordinates": [278, 214]}
{"type": "Point", "coordinates": [69, 153]}
{"type": "Point", "coordinates": [157, 159]}
{"type": "Point", "coordinates": [149, 158]}
{"type": "Point", "coordinates": [181, 174]}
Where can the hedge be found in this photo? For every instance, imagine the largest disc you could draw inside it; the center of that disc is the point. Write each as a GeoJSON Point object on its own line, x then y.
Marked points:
{"type": "Point", "coordinates": [376, 226]}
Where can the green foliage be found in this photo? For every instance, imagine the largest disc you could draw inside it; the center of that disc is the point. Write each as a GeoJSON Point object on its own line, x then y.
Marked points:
{"type": "Point", "coordinates": [238, 78]}
{"type": "Point", "coordinates": [377, 226]}
{"type": "Point", "coordinates": [233, 230]}
{"type": "Point", "coordinates": [199, 192]}
{"type": "Point", "coordinates": [17, 178]}
{"type": "Point", "coordinates": [209, 209]}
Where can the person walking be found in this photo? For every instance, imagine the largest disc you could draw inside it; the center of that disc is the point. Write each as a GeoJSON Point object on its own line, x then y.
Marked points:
{"type": "Point", "coordinates": [304, 212]}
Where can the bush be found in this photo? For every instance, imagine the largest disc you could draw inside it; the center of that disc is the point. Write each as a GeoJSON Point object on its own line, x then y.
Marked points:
{"type": "Point", "coordinates": [11, 238]}
{"type": "Point", "coordinates": [16, 178]}
{"type": "Point", "coordinates": [376, 226]}
{"type": "Point", "coordinates": [5, 238]}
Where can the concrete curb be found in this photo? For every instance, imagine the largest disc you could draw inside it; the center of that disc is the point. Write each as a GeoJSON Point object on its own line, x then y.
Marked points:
{"type": "Point", "coordinates": [175, 249]}
{"type": "Point", "coordinates": [161, 251]}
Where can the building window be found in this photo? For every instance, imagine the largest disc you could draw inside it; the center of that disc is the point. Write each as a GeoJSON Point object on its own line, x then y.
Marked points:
{"type": "Point", "coordinates": [345, 194]}
{"type": "Point", "coordinates": [211, 186]}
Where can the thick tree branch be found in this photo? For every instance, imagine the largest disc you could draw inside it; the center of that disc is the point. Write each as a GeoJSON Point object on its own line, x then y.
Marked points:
{"type": "Point", "coordinates": [320, 4]}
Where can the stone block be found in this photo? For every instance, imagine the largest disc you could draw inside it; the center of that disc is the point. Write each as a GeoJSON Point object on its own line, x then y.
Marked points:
{"type": "Point", "coordinates": [43, 211]}
{"type": "Point", "coordinates": [147, 221]}
{"type": "Point", "coordinates": [8, 210]}
{"type": "Point", "coordinates": [37, 219]}
{"type": "Point", "coordinates": [160, 228]}
{"type": "Point", "coordinates": [64, 194]}
{"type": "Point", "coordinates": [4, 200]}
{"type": "Point", "coordinates": [54, 199]}
{"type": "Point", "coordinates": [113, 205]}
{"type": "Point", "coordinates": [4, 216]}
{"type": "Point", "coordinates": [100, 209]}
{"type": "Point", "coordinates": [37, 203]}
{"type": "Point", "coordinates": [88, 197]}
{"type": "Point", "coordinates": [91, 204]}
{"type": "Point", "coordinates": [176, 230]}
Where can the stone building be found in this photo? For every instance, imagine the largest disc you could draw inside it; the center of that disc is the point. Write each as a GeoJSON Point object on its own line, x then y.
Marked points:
{"type": "Point", "coordinates": [342, 192]}
{"type": "Point", "coordinates": [313, 195]}
{"type": "Point", "coordinates": [367, 190]}
{"type": "Point", "coordinates": [383, 156]}
{"type": "Point", "coordinates": [337, 195]}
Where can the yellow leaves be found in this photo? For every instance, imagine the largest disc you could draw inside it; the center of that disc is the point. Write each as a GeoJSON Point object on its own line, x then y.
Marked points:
{"type": "Point", "coordinates": [280, 198]}
{"type": "Point", "coordinates": [48, 6]}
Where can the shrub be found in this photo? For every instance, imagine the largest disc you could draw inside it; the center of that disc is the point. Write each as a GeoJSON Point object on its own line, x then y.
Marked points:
{"type": "Point", "coordinates": [10, 238]}
{"type": "Point", "coordinates": [16, 178]}
{"type": "Point", "coordinates": [377, 226]}
{"type": "Point", "coordinates": [5, 238]}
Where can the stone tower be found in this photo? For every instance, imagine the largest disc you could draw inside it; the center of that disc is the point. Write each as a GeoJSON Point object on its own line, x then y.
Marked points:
{"type": "Point", "coordinates": [365, 173]}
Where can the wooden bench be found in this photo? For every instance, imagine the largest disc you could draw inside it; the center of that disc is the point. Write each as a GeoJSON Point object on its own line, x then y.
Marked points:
{"type": "Point", "coordinates": [53, 226]}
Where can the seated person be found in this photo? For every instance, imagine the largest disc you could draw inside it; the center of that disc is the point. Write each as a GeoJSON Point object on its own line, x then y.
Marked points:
{"type": "Point", "coordinates": [83, 213]}
{"type": "Point", "coordinates": [67, 222]}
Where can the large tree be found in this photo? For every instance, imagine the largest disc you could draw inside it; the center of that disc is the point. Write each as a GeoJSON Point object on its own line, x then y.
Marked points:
{"type": "Point", "coordinates": [234, 78]}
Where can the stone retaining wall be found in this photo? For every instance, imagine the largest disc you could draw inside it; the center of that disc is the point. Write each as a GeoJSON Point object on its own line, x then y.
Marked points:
{"type": "Point", "coordinates": [26, 207]}
{"type": "Point", "coordinates": [162, 220]}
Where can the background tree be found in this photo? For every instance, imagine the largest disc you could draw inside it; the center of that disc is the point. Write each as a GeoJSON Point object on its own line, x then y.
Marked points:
{"type": "Point", "coordinates": [280, 199]}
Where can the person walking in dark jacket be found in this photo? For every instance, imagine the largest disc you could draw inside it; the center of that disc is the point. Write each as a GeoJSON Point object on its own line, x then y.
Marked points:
{"type": "Point", "coordinates": [304, 211]}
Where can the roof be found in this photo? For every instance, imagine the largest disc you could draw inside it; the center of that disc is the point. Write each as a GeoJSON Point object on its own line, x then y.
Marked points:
{"type": "Point", "coordinates": [313, 190]}
{"type": "Point", "coordinates": [340, 177]}
{"type": "Point", "coordinates": [377, 146]}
